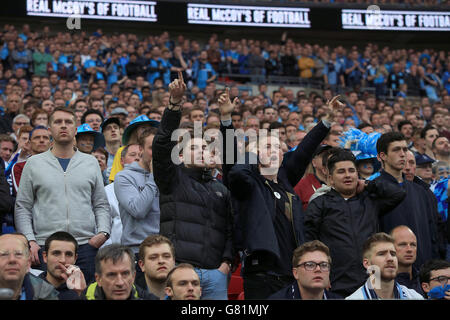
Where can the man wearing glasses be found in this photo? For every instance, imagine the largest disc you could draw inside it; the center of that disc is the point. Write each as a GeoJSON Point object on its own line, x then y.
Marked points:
{"type": "Point", "coordinates": [312, 264]}
{"type": "Point", "coordinates": [434, 277]}
{"type": "Point", "coordinates": [15, 262]}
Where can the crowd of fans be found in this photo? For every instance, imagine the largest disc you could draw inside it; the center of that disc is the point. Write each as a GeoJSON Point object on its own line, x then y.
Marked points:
{"type": "Point", "coordinates": [67, 98]}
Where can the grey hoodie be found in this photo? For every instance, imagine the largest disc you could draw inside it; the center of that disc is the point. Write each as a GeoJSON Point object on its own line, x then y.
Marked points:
{"type": "Point", "coordinates": [50, 200]}
{"type": "Point", "coordinates": [138, 198]}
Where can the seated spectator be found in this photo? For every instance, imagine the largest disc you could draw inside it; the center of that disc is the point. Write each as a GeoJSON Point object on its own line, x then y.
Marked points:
{"type": "Point", "coordinates": [311, 282]}
{"type": "Point", "coordinates": [60, 255]}
{"type": "Point", "coordinates": [183, 283]}
{"type": "Point", "coordinates": [114, 275]}
{"type": "Point", "coordinates": [156, 260]}
{"type": "Point", "coordinates": [15, 263]}
{"type": "Point", "coordinates": [406, 248]}
{"type": "Point", "coordinates": [434, 278]}
{"type": "Point", "coordinates": [379, 255]}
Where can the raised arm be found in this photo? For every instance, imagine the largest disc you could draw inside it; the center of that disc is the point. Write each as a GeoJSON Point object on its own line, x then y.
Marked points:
{"type": "Point", "coordinates": [296, 162]}
{"type": "Point", "coordinates": [163, 166]}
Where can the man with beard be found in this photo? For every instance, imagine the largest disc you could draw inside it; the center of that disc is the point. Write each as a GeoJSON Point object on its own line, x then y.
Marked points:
{"type": "Point", "coordinates": [441, 149]}
{"type": "Point", "coordinates": [380, 260]}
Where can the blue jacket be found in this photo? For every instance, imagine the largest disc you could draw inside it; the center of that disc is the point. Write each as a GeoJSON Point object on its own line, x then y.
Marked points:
{"type": "Point", "coordinates": [37, 289]}
{"type": "Point", "coordinates": [292, 292]}
{"type": "Point", "coordinates": [416, 212]}
{"type": "Point", "coordinates": [254, 201]}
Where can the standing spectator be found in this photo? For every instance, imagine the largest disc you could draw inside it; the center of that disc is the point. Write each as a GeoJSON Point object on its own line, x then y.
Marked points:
{"type": "Point", "coordinates": [60, 255]}
{"type": "Point", "coordinates": [113, 140]}
{"type": "Point", "coordinates": [134, 68]}
{"type": "Point", "coordinates": [406, 248]}
{"type": "Point", "coordinates": [333, 73]}
{"type": "Point", "coordinates": [273, 65]}
{"type": "Point", "coordinates": [413, 81]}
{"type": "Point", "coordinates": [432, 84]}
{"type": "Point", "coordinates": [7, 147]}
{"type": "Point", "coordinates": [94, 67]}
{"type": "Point", "coordinates": [43, 206]}
{"type": "Point", "coordinates": [39, 141]}
{"type": "Point", "coordinates": [312, 283]}
{"type": "Point", "coordinates": [202, 230]}
{"type": "Point", "coordinates": [155, 67]}
{"type": "Point", "coordinates": [202, 71]}
{"type": "Point", "coordinates": [267, 217]}
{"type": "Point", "coordinates": [129, 154]}
{"type": "Point", "coordinates": [214, 55]}
{"type": "Point", "coordinates": [379, 254]}
{"type": "Point", "coordinates": [345, 217]}
{"type": "Point", "coordinates": [12, 107]}
{"type": "Point", "coordinates": [353, 70]}
{"type": "Point", "coordinates": [14, 265]}
{"type": "Point", "coordinates": [256, 64]}
{"type": "Point", "coordinates": [138, 196]}
{"type": "Point", "coordinates": [40, 59]}
{"type": "Point", "coordinates": [156, 260]}
{"type": "Point", "coordinates": [289, 63]}
{"type": "Point", "coordinates": [414, 211]}
{"type": "Point", "coordinates": [178, 63]}
{"type": "Point", "coordinates": [395, 79]}
{"type": "Point", "coordinates": [22, 57]}
{"type": "Point", "coordinates": [308, 185]}
{"type": "Point", "coordinates": [6, 200]}
{"type": "Point", "coordinates": [305, 63]}
{"type": "Point", "coordinates": [376, 76]}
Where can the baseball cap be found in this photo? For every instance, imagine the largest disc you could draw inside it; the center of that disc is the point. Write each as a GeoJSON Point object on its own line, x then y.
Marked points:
{"type": "Point", "coordinates": [119, 111]}
{"type": "Point", "coordinates": [423, 159]}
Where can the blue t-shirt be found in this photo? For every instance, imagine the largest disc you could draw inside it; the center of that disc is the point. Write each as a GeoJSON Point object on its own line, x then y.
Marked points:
{"type": "Point", "coordinates": [64, 163]}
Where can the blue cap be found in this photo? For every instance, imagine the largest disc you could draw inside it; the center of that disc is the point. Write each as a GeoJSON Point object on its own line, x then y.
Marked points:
{"type": "Point", "coordinates": [423, 159]}
{"type": "Point", "coordinates": [142, 119]}
{"type": "Point", "coordinates": [98, 137]}
{"type": "Point", "coordinates": [365, 156]}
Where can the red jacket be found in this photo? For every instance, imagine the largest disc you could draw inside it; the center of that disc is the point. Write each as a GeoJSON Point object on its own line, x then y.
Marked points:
{"type": "Point", "coordinates": [16, 174]}
{"type": "Point", "coordinates": [306, 187]}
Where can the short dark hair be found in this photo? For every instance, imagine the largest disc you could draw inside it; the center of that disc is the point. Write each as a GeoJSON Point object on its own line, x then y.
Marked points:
{"type": "Point", "coordinates": [114, 252]}
{"type": "Point", "coordinates": [427, 267]}
{"type": "Point", "coordinates": [403, 123]}
{"type": "Point", "coordinates": [386, 139]}
{"type": "Point", "coordinates": [311, 246]}
{"type": "Point", "coordinates": [424, 131]}
{"type": "Point", "coordinates": [376, 238]}
{"type": "Point", "coordinates": [341, 155]}
{"type": "Point", "coordinates": [433, 145]}
{"type": "Point", "coordinates": [152, 240]}
{"type": "Point", "coordinates": [60, 236]}
{"type": "Point", "coordinates": [91, 111]}
{"type": "Point", "coordinates": [180, 266]}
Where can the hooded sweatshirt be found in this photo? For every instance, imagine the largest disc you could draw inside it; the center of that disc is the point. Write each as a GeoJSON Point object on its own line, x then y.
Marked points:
{"type": "Point", "coordinates": [138, 197]}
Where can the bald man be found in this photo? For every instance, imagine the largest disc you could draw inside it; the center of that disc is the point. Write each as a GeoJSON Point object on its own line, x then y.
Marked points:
{"type": "Point", "coordinates": [410, 168]}
{"type": "Point", "coordinates": [406, 247]}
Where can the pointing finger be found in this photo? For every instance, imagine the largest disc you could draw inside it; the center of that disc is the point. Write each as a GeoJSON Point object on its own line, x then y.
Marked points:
{"type": "Point", "coordinates": [180, 76]}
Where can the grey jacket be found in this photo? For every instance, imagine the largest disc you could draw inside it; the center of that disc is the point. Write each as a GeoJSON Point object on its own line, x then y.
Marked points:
{"type": "Point", "coordinates": [51, 200]}
{"type": "Point", "coordinates": [138, 197]}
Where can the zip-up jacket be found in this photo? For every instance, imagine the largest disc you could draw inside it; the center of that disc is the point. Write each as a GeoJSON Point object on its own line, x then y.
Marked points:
{"type": "Point", "coordinates": [344, 226]}
{"type": "Point", "coordinates": [36, 288]}
{"type": "Point", "coordinates": [95, 292]}
{"type": "Point", "coordinates": [254, 200]}
{"type": "Point", "coordinates": [51, 200]}
{"type": "Point", "coordinates": [138, 199]}
{"type": "Point", "coordinates": [400, 292]}
{"type": "Point", "coordinates": [196, 213]}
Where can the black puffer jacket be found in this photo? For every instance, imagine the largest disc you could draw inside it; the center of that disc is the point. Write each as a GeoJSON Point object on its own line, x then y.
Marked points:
{"type": "Point", "coordinates": [344, 226]}
{"type": "Point", "coordinates": [195, 208]}
{"type": "Point", "coordinates": [6, 200]}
